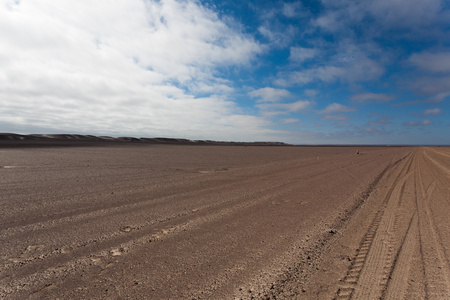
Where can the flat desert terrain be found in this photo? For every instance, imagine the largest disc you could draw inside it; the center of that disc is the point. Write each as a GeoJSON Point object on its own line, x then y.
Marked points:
{"type": "Point", "coordinates": [224, 222]}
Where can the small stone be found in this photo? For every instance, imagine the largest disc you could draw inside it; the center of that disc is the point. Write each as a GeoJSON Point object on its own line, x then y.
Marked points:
{"type": "Point", "coordinates": [126, 228]}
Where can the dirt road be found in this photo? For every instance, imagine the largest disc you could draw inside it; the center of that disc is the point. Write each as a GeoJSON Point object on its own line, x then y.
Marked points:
{"type": "Point", "coordinates": [404, 249]}
{"type": "Point", "coordinates": [220, 222]}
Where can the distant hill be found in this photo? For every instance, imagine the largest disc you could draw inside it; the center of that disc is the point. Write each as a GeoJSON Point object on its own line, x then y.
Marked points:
{"type": "Point", "coordinates": [67, 140]}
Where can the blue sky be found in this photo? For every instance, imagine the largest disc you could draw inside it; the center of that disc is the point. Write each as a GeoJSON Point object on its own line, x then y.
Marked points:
{"type": "Point", "coordinates": [303, 72]}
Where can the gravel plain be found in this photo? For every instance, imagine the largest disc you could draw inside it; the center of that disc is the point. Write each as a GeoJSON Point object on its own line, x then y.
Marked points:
{"type": "Point", "coordinates": [224, 222]}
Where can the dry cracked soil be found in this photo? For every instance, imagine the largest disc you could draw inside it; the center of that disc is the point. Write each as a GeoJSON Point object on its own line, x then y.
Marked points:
{"type": "Point", "coordinates": [224, 222]}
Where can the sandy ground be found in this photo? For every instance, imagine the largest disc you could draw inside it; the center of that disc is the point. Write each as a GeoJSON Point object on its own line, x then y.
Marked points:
{"type": "Point", "coordinates": [224, 222]}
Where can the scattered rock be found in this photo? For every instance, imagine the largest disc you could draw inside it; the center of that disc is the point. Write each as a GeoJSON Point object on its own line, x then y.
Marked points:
{"type": "Point", "coordinates": [126, 228]}
{"type": "Point", "coordinates": [116, 251]}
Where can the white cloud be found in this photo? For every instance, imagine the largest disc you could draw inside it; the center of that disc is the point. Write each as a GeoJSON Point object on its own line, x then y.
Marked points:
{"type": "Point", "coordinates": [419, 123]}
{"type": "Point", "coordinates": [127, 68]}
{"type": "Point", "coordinates": [406, 13]}
{"type": "Point", "coordinates": [326, 74]}
{"type": "Point", "coordinates": [335, 108]}
{"type": "Point", "coordinates": [386, 14]}
{"type": "Point", "coordinates": [293, 10]}
{"type": "Point", "coordinates": [297, 106]}
{"type": "Point", "coordinates": [372, 97]}
{"type": "Point", "coordinates": [300, 54]}
{"type": "Point", "coordinates": [440, 96]}
{"type": "Point", "coordinates": [359, 69]}
{"type": "Point", "coordinates": [273, 109]}
{"type": "Point", "coordinates": [278, 37]}
{"type": "Point", "coordinates": [269, 94]}
{"type": "Point", "coordinates": [433, 62]}
{"type": "Point", "coordinates": [310, 92]}
{"type": "Point", "coordinates": [433, 111]}
{"type": "Point", "coordinates": [437, 87]}
{"type": "Point", "coordinates": [279, 34]}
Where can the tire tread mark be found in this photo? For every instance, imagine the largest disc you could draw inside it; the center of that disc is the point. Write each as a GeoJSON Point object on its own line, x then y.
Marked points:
{"type": "Point", "coordinates": [347, 289]}
{"type": "Point", "coordinates": [397, 286]}
{"type": "Point", "coordinates": [435, 262]}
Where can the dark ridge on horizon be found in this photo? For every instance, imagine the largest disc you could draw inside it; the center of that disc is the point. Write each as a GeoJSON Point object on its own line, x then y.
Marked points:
{"type": "Point", "coordinates": [15, 140]}
{"type": "Point", "coordinates": [67, 140]}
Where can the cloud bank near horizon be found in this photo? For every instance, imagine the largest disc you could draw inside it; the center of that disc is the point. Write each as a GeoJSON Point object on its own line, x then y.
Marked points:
{"type": "Point", "coordinates": [135, 67]}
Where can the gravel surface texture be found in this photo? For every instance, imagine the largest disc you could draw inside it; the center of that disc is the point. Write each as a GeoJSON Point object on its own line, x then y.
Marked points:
{"type": "Point", "coordinates": [224, 222]}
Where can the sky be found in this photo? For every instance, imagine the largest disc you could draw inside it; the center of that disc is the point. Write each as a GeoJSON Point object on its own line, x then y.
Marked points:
{"type": "Point", "coordinates": [301, 72]}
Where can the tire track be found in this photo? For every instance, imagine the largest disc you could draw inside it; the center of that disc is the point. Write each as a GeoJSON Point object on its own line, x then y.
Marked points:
{"type": "Point", "coordinates": [438, 176]}
{"type": "Point", "coordinates": [380, 258]}
{"type": "Point", "coordinates": [381, 266]}
{"type": "Point", "coordinates": [347, 289]}
{"type": "Point", "coordinates": [435, 262]}
{"type": "Point", "coordinates": [369, 272]}
{"type": "Point", "coordinates": [398, 284]}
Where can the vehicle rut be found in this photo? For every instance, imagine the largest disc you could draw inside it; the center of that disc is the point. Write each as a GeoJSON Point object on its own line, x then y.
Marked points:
{"type": "Point", "coordinates": [407, 229]}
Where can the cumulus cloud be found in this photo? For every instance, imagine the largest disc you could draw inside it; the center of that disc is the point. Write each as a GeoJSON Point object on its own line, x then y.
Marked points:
{"type": "Point", "coordinates": [372, 97]}
{"type": "Point", "coordinates": [269, 94]}
{"type": "Point", "coordinates": [335, 108]}
{"type": "Point", "coordinates": [433, 111]}
{"type": "Point", "coordinates": [418, 123]}
{"type": "Point", "coordinates": [133, 67]}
